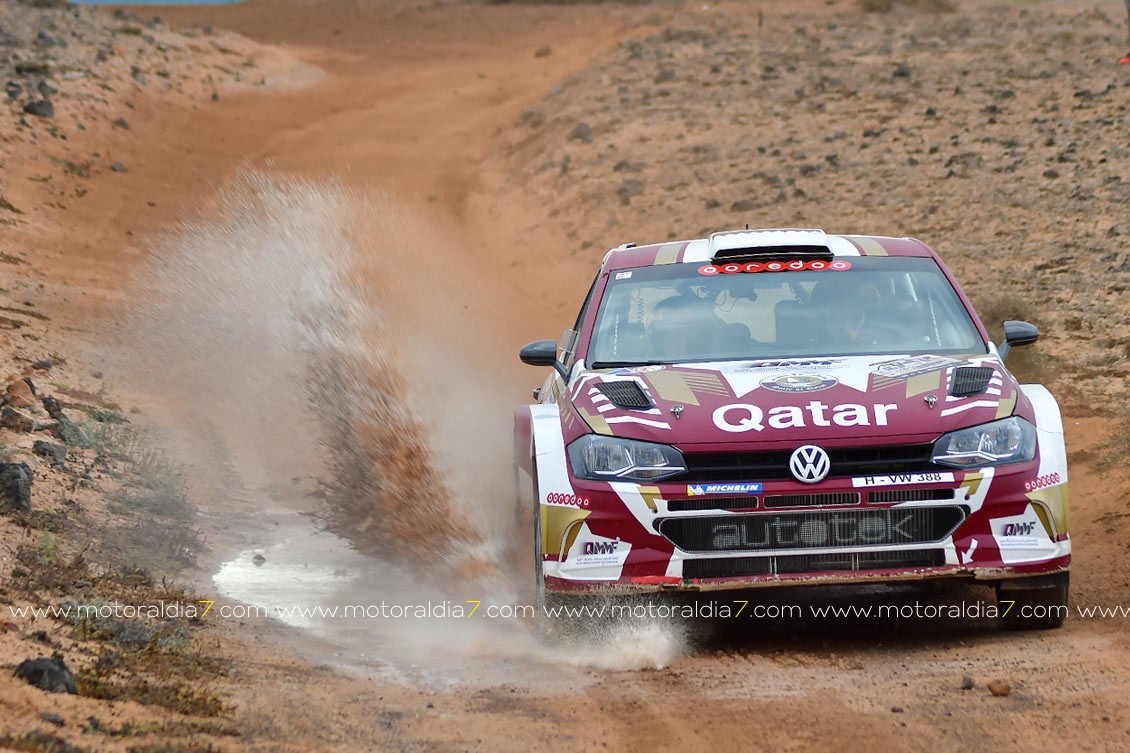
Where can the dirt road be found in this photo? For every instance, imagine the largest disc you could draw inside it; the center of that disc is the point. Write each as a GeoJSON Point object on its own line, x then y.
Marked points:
{"type": "Point", "coordinates": [457, 119]}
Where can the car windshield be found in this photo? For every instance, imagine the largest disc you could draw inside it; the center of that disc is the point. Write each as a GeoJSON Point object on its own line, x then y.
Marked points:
{"type": "Point", "coordinates": [678, 313]}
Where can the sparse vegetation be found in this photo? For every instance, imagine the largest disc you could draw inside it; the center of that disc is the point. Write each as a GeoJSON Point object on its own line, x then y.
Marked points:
{"type": "Point", "coordinates": [48, 549]}
{"type": "Point", "coordinates": [182, 694]}
{"type": "Point", "coordinates": [1110, 454]}
{"type": "Point", "coordinates": [39, 742]}
{"type": "Point", "coordinates": [930, 6]}
{"type": "Point", "coordinates": [1030, 364]}
{"type": "Point", "coordinates": [156, 531]}
{"type": "Point", "coordinates": [190, 746]}
{"type": "Point", "coordinates": [97, 618]}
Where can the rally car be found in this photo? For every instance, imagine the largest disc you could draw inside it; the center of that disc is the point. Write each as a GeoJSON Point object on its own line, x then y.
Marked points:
{"type": "Point", "coordinates": [785, 407]}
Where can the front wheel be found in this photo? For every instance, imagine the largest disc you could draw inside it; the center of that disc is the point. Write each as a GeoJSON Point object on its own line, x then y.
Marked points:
{"type": "Point", "coordinates": [539, 567]}
{"type": "Point", "coordinates": [560, 618]}
{"type": "Point", "coordinates": [1033, 603]}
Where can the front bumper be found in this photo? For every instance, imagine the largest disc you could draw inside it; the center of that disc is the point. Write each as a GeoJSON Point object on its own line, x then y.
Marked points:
{"type": "Point", "coordinates": [991, 524]}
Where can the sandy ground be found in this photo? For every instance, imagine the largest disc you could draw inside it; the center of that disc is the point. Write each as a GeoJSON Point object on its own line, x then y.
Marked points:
{"type": "Point", "coordinates": [801, 111]}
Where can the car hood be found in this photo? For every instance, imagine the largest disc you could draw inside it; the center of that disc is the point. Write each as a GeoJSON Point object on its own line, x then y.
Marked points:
{"type": "Point", "coordinates": [795, 400]}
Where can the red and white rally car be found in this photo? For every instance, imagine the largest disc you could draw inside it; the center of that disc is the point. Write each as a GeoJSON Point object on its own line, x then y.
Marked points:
{"type": "Point", "coordinates": [783, 407]}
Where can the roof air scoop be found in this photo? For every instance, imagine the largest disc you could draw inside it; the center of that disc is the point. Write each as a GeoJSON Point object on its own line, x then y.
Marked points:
{"type": "Point", "coordinates": [737, 245]}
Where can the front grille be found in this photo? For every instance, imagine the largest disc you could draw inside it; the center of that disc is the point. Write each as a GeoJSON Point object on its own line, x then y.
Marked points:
{"type": "Point", "coordinates": [705, 467]}
{"type": "Point", "coordinates": [626, 394]}
{"type": "Point", "coordinates": [712, 503]}
{"type": "Point", "coordinates": [812, 530]}
{"type": "Point", "coordinates": [909, 495]}
{"type": "Point", "coordinates": [737, 567]}
{"type": "Point", "coordinates": [970, 380]}
{"type": "Point", "coordinates": [811, 500]}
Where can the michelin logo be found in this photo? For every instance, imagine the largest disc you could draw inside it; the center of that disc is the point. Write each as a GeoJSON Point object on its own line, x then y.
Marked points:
{"type": "Point", "coordinates": [702, 490]}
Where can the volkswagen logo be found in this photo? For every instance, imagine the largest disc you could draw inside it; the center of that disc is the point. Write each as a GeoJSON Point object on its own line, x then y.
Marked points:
{"type": "Point", "coordinates": [809, 464]}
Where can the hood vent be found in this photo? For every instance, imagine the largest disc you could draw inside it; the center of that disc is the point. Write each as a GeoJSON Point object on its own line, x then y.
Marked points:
{"type": "Point", "coordinates": [970, 380]}
{"type": "Point", "coordinates": [626, 394]}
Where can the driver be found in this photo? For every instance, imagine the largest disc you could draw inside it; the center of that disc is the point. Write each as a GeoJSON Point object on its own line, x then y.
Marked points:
{"type": "Point", "coordinates": [684, 327]}
{"type": "Point", "coordinates": [848, 307]}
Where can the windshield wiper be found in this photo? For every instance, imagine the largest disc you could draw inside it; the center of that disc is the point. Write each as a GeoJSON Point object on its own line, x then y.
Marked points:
{"type": "Point", "coordinates": [624, 364]}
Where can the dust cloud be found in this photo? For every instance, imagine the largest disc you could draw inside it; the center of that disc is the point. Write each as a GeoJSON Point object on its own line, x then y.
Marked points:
{"type": "Point", "coordinates": [313, 351]}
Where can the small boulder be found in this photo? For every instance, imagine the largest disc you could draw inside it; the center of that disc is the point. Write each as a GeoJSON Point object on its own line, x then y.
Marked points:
{"type": "Point", "coordinates": [50, 674]}
{"type": "Point", "coordinates": [15, 486]}
{"type": "Point", "coordinates": [65, 429]}
{"type": "Point", "coordinates": [581, 132]}
{"type": "Point", "coordinates": [20, 394]}
{"type": "Point", "coordinates": [629, 189]}
{"type": "Point", "coordinates": [999, 688]}
{"type": "Point", "coordinates": [47, 40]}
{"type": "Point", "coordinates": [543, 52]}
{"type": "Point", "coordinates": [33, 68]}
{"type": "Point", "coordinates": [17, 420]}
{"type": "Point", "coordinates": [624, 166]}
{"type": "Point", "coordinates": [40, 108]}
{"type": "Point", "coordinates": [532, 117]}
{"type": "Point", "coordinates": [56, 453]}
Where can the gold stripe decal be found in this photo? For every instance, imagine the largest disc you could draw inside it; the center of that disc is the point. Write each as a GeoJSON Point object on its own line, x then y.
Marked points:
{"type": "Point", "coordinates": [923, 383]}
{"type": "Point", "coordinates": [650, 495]}
{"type": "Point", "coordinates": [708, 382]}
{"type": "Point", "coordinates": [555, 520]}
{"type": "Point", "coordinates": [869, 246]}
{"type": "Point", "coordinates": [680, 386]}
{"type": "Point", "coordinates": [596, 423]}
{"type": "Point", "coordinates": [668, 253]}
{"type": "Point", "coordinates": [671, 386]}
{"type": "Point", "coordinates": [1007, 406]}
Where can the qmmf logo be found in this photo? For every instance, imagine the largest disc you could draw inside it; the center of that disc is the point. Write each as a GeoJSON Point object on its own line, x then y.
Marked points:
{"type": "Point", "coordinates": [809, 464]}
{"type": "Point", "coordinates": [1019, 529]}
{"type": "Point", "coordinates": [601, 547]}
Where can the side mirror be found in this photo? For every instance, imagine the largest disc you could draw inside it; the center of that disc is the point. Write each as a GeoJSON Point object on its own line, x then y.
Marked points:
{"type": "Point", "coordinates": [543, 353]}
{"type": "Point", "coordinates": [1017, 334]}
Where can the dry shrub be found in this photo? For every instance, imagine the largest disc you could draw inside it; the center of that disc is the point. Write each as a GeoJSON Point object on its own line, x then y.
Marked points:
{"type": "Point", "coordinates": [929, 6]}
{"type": "Point", "coordinates": [1030, 364]}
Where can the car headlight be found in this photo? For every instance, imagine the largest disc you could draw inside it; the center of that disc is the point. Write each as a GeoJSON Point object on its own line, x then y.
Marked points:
{"type": "Point", "coordinates": [599, 458]}
{"type": "Point", "coordinates": [1010, 440]}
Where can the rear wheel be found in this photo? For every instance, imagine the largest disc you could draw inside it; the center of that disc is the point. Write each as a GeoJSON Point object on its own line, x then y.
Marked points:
{"type": "Point", "coordinates": [1033, 603]}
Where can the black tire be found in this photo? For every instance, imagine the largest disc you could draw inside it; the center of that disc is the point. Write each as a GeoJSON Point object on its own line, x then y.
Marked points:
{"type": "Point", "coordinates": [1033, 603]}
{"type": "Point", "coordinates": [555, 619]}
{"type": "Point", "coordinates": [519, 509]}
{"type": "Point", "coordinates": [539, 569]}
